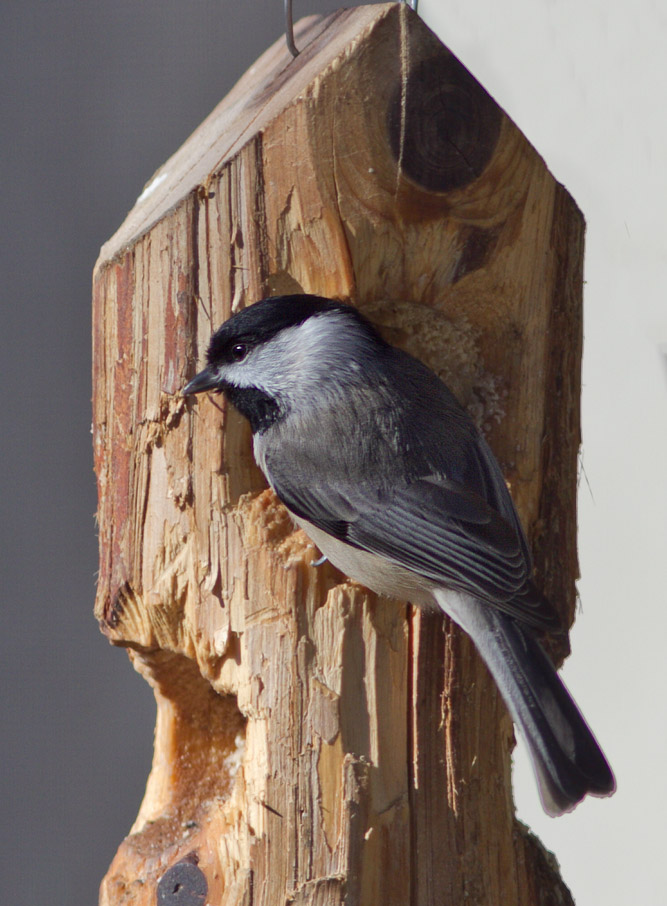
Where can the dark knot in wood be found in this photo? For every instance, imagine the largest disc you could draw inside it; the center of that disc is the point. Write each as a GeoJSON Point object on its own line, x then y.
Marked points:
{"type": "Point", "coordinates": [443, 126]}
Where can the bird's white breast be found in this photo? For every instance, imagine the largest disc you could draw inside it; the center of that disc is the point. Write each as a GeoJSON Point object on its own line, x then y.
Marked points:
{"type": "Point", "coordinates": [375, 572]}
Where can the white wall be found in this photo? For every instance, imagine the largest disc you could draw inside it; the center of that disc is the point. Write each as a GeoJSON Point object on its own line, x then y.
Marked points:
{"type": "Point", "coordinates": [587, 84]}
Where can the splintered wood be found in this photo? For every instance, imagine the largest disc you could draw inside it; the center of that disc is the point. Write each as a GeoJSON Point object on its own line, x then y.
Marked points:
{"type": "Point", "coordinates": [314, 744]}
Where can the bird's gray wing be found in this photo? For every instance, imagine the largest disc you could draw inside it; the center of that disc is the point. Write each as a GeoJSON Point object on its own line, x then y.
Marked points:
{"type": "Point", "coordinates": [435, 528]}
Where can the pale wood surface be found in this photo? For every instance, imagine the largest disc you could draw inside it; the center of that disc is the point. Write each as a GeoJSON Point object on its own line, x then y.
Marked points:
{"type": "Point", "coordinates": [314, 744]}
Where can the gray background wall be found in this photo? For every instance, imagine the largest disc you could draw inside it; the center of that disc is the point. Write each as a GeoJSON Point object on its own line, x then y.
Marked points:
{"type": "Point", "coordinates": [93, 98]}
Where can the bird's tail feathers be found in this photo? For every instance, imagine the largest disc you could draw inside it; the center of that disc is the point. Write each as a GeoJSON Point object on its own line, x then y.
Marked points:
{"type": "Point", "coordinates": [567, 760]}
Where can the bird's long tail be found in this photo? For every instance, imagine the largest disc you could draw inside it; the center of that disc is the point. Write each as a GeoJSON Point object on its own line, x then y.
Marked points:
{"type": "Point", "coordinates": [566, 757]}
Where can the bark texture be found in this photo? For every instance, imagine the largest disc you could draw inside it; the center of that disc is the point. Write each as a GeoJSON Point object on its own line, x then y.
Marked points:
{"type": "Point", "coordinates": [314, 744]}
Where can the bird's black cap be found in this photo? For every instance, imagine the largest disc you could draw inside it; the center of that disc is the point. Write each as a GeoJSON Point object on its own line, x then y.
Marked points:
{"type": "Point", "coordinates": [263, 320]}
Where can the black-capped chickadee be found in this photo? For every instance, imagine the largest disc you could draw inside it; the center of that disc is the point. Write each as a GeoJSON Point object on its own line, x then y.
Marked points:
{"type": "Point", "coordinates": [376, 460]}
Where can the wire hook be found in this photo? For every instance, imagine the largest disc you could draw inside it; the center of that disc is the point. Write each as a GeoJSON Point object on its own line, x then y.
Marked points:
{"type": "Point", "coordinates": [289, 29]}
{"type": "Point", "coordinates": [289, 24]}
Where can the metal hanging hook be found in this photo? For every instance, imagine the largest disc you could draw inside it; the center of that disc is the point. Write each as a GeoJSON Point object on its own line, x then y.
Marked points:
{"type": "Point", "coordinates": [289, 29]}
{"type": "Point", "coordinates": [289, 24]}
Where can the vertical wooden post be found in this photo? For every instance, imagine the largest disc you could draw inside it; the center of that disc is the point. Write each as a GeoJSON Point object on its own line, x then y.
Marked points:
{"type": "Point", "coordinates": [314, 744]}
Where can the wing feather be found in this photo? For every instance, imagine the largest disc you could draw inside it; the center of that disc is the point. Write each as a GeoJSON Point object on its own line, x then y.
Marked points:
{"type": "Point", "coordinates": [435, 529]}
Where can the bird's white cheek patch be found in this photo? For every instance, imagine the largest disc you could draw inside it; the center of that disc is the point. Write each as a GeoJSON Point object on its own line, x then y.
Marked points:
{"type": "Point", "coordinates": [250, 375]}
{"type": "Point", "coordinates": [233, 374]}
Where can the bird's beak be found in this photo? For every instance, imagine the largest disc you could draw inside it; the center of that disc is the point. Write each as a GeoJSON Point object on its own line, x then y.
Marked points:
{"type": "Point", "coordinates": [205, 380]}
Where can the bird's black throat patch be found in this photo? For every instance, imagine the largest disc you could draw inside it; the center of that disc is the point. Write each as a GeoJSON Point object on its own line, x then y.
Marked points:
{"type": "Point", "coordinates": [258, 407]}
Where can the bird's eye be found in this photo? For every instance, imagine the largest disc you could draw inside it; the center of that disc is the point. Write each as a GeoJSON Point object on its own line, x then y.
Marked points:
{"type": "Point", "coordinates": [239, 352]}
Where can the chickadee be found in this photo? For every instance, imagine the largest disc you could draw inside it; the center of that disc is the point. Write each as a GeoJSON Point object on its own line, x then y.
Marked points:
{"type": "Point", "coordinates": [384, 470]}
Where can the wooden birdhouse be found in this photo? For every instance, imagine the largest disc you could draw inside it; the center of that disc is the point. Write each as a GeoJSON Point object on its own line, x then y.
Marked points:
{"type": "Point", "coordinates": [315, 744]}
